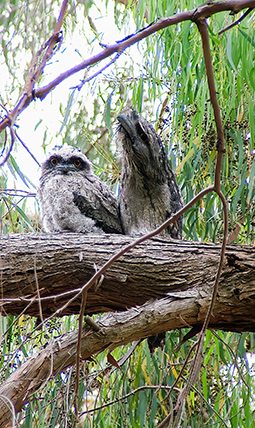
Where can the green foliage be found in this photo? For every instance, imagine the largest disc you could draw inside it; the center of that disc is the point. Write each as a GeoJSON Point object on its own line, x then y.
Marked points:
{"type": "Point", "coordinates": [130, 397]}
{"type": "Point", "coordinates": [165, 70]}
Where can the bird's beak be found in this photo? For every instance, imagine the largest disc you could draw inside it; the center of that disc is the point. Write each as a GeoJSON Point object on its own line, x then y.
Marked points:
{"type": "Point", "coordinates": [128, 123]}
{"type": "Point", "coordinates": [64, 169]}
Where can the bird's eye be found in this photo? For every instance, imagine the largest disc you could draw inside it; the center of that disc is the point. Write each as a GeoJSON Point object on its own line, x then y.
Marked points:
{"type": "Point", "coordinates": [77, 163]}
{"type": "Point", "coordinates": [143, 136]}
{"type": "Point", "coordinates": [54, 161]}
{"type": "Point", "coordinates": [141, 133]}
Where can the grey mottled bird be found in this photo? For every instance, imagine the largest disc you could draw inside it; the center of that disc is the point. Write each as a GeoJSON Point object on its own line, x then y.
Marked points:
{"type": "Point", "coordinates": [72, 198]}
{"type": "Point", "coordinates": [149, 193]}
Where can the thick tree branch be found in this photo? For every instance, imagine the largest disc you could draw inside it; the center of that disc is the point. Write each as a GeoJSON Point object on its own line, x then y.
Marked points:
{"type": "Point", "coordinates": [193, 15]}
{"type": "Point", "coordinates": [64, 262]}
{"type": "Point", "coordinates": [178, 276]}
{"type": "Point", "coordinates": [201, 12]}
{"type": "Point", "coordinates": [233, 310]}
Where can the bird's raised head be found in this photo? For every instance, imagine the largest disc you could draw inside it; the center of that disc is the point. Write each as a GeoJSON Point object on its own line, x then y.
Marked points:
{"type": "Point", "coordinates": [141, 145]}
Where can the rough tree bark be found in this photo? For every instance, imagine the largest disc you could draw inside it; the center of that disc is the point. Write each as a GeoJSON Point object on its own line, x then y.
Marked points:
{"type": "Point", "coordinates": [55, 263]}
{"type": "Point", "coordinates": [171, 281]}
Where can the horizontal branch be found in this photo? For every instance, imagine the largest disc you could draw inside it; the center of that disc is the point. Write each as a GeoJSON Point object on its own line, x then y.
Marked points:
{"type": "Point", "coordinates": [233, 310]}
{"type": "Point", "coordinates": [166, 285]}
{"type": "Point", "coordinates": [201, 12]}
{"type": "Point", "coordinates": [59, 264]}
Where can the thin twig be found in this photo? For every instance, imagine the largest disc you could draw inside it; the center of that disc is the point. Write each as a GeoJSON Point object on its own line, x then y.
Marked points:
{"type": "Point", "coordinates": [78, 356]}
{"type": "Point", "coordinates": [27, 149]}
{"type": "Point", "coordinates": [234, 356]}
{"type": "Point", "coordinates": [169, 416]}
{"type": "Point", "coordinates": [10, 148]}
{"type": "Point", "coordinates": [38, 292]}
{"type": "Point", "coordinates": [202, 26]}
{"type": "Point", "coordinates": [28, 336]}
{"type": "Point", "coordinates": [124, 397]}
{"type": "Point", "coordinates": [88, 79]}
{"type": "Point", "coordinates": [199, 13]}
{"type": "Point", "coordinates": [10, 191]}
{"type": "Point", "coordinates": [236, 22]}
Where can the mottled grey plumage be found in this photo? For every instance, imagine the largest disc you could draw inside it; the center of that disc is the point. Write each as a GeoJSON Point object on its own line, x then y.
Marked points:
{"type": "Point", "coordinates": [149, 193]}
{"type": "Point", "coordinates": [72, 198]}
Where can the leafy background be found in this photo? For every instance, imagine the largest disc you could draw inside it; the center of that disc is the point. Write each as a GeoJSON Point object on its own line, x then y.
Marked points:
{"type": "Point", "coordinates": [163, 78]}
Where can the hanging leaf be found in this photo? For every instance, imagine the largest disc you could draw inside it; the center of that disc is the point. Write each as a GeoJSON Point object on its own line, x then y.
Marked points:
{"type": "Point", "coordinates": [68, 110]}
{"type": "Point", "coordinates": [111, 360]}
{"type": "Point", "coordinates": [107, 114]}
{"type": "Point", "coordinates": [229, 52]}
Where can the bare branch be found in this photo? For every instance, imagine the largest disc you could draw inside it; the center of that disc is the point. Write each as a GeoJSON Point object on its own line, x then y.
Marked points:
{"type": "Point", "coordinates": [97, 73]}
{"type": "Point", "coordinates": [27, 149]}
{"type": "Point", "coordinates": [201, 12]}
{"type": "Point", "coordinates": [236, 22]}
{"type": "Point", "coordinates": [120, 328]}
{"type": "Point", "coordinates": [10, 148]}
{"type": "Point", "coordinates": [35, 73]}
{"type": "Point", "coordinates": [78, 354]}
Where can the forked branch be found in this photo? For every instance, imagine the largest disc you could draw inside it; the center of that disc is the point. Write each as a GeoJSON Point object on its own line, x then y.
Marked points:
{"type": "Point", "coordinates": [30, 93]}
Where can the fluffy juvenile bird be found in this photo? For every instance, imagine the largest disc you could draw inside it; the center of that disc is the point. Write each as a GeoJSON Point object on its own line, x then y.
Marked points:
{"type": "Point", "coordinates": [149, 193]}
{"type": "Point", "coordinates": [72, 198]}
